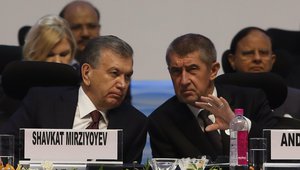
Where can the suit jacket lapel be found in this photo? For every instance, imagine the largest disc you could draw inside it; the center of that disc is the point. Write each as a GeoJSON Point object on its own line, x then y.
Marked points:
{"type": "Point", "coordinates": [225, 138]}
{"type": "Point", "coordinates": [223, 93]}
{"type": "Point", "coordinates": [188, 124]}
{"type": "Point", "coordinates": [225, 142]}
{"type": "Point", "coordinates": [65, 108]}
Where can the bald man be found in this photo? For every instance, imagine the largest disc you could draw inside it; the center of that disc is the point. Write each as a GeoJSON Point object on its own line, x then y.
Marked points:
{"type": "Point", "coordinates": [84, 20]}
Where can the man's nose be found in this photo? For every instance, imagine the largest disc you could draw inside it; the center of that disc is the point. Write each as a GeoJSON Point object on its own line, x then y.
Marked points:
{"type": "Point", "coordinates": [185, 78]}
{"type": "Point", "coordinates": [257, 55]}
{"type": "Point", "coordinates": [85, 31]}
{"type": "Point", "coordinates": [121, 82]}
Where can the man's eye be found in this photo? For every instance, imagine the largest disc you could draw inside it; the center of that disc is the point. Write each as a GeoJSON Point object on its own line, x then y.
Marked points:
{"type": "Point", "coordinates": [248, 53]}
{"type": "Point", "coordinates": [264, 52]}
{"type": "Point", "coordinates": [115, 73]}
{"type": "Point", "coordinates": [173, 70]}
{"type": "Point", "coordinates": [76, 27]}
{"type": "Point", "coordinates": [92, 26]}
{"type": "Point", "coordinates": [191, 69]}
{"type": "Point", "coordinates": [128, 77]}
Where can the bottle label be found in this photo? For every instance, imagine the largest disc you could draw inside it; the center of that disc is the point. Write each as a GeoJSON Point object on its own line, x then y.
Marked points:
{"type": "Point", "coordinates": [242, 147]}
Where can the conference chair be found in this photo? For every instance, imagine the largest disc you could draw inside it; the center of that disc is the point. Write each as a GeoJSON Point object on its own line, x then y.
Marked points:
{"type": "Point", "coordinates": [274, 87]}
{"type": "Point", "coordinates": [19, 76]}
{"type": "Point", "coordinates": [22, 34]}
{"type": "Point", "coordinates": [288, 41]}
{"type": "Point", "coordinates": [272, 84]}
{"type": "Point", "coordinates": [9, 53]}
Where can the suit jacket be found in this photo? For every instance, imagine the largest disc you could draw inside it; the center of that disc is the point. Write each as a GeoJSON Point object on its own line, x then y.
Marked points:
{"type": "Point", "coordinates": [291, 104]}
{"type": "Point", "coordinates": [175, 132]}
{"type": "Point", "coordinates": [54, 107]}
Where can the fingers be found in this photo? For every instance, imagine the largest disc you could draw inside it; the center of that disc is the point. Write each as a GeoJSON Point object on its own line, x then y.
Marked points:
{"type": "Point", "coordinates": [213, 101]}
{"type": "Point", "coordinates": [220, 108]}
{"type": "Point", "coordinates": [219, 124]}
{"type": "Point", "coordinates": [212, 127]}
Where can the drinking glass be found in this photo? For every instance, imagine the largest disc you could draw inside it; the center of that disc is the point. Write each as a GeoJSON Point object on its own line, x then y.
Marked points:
{"type": "Point", "coordinates": [163, 163]}
{"type": "Point", "coordinates": [257, 151]}
{"type": "Point", "coordinates": [7, 149]}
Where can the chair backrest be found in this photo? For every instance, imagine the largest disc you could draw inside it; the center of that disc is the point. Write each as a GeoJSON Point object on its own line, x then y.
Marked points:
{"type": "Point", "coordinates": [272, 84]}
{"type": "Point", "coordinates": [288, 41]}
{"type": "Point", "coordinates": [22, 34]}
{"type": "Point", "coordinates": [225, 62]}
{"type": "Point", "coordinates": [9, 53]}
{"type": "Point", "coordinates": [285, 40]}
{"type": "Point", "coordinates": [19, 76]}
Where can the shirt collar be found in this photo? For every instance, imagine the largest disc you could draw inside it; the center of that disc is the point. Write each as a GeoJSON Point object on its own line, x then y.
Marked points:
{"type": "Point", "coordinates": [196, 110]}
{"type": "Point", "coordinates": [85, 105]}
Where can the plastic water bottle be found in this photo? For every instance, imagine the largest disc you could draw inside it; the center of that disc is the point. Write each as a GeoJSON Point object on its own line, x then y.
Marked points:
{"type": "Point", "coordinates": [238, 141]}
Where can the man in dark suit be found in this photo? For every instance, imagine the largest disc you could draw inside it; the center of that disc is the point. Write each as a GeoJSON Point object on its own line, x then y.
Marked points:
{"type": "Point", "coordinates": [106, 73]}
{"type": "Point", "coordinates": [84, 19]}
{"type": "Point", "coordinates": [175, 127]}
{"type": "Point", "coordinates": [8, 105]}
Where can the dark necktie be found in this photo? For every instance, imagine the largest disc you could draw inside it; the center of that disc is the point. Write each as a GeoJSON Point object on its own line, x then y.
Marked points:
{"type": "Point", "coordinates": [214, 136]}
{"type": "Point", "coordinates": [96, 117]}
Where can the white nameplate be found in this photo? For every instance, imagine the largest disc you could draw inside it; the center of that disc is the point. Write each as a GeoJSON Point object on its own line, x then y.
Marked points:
{"type": "Point", "coordinates": [70, 145]}
{"type": "Point", "coordinates": [285, 144]}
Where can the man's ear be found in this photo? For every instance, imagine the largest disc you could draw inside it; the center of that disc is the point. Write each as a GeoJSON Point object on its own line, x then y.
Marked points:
{"type": "Point", "coordinates": [214, 70]}
{"type": "Point", "coordinates": [86, 73]}
{"type": "Point", "coordinates": [231, 58]}
{"type": "Point", "coordinates": [273, 58]}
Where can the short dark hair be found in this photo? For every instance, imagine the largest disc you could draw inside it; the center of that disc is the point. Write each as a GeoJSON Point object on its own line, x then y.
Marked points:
{"type": "Point", "coordinates": [191, 42]}
{"type": "Point", "coordinates": [243, 33]}
{"type": "Point", "coordinates": [62, 12]}
{"type": "Point", "coordinates": [93, 50]}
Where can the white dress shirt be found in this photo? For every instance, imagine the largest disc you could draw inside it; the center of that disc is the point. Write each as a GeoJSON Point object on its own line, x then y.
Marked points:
{"type": "Point", "coordinates": [82, 117]}
{"type": "Point", "coordinates": [196, 112]}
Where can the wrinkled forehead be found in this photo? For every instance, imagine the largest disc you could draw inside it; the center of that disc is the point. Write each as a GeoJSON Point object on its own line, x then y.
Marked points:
{"type": "Point", "coordinates": [183, 60]}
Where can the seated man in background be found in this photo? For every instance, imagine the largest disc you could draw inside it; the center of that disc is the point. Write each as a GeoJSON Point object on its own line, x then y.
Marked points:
{"type": "Point", "coordinates": [8, 105]}
{"type": "Point", "coordinates": [106, 73]}
{"type": "Point", "coordinates": [176, 127]}
{"type": "Point", "coordinates": [251, 52]}
{"type": "Point", "coordinates": [84, 20]}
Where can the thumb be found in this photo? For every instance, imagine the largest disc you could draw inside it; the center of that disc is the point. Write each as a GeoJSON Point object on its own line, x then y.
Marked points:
{"type": "Point", "coordinates": [212, 127]}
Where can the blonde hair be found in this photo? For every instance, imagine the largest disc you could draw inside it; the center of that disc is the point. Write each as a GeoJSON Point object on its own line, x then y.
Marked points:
{"type": "Point", "coordinates": [44, 35]}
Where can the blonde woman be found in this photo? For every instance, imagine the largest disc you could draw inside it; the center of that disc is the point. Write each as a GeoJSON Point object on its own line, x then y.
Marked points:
{"type": "Point", "coordinates": [50, 40]}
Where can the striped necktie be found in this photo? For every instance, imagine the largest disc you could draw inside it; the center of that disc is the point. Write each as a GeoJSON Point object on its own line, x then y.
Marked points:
{"type": "Point", "coordinates": [96, 117]}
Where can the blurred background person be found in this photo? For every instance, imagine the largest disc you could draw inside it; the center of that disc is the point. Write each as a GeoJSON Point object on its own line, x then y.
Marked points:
{"type": "Point", "coordinates": [84, 20]}
{"type": "Point", "coordinates": [50, 40]}
{"type": "Point", "coordinates": [251, 51]}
